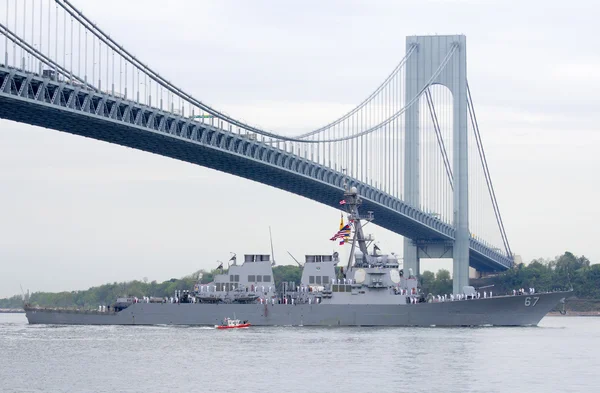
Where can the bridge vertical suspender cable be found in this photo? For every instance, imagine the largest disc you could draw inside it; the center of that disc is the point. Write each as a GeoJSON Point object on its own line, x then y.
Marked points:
{"type": "Point", "coordinates": [439, 137]}
{"type": "Point", "coordinates": [486, 171]}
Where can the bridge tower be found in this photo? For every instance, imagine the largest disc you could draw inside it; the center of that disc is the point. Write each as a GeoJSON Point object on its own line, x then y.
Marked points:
{"type": "Point", "coordinates": [428, 54]}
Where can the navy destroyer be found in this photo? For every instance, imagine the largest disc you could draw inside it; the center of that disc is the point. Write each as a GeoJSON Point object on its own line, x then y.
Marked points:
{"type": "Point", "coordinates": [370, 289]}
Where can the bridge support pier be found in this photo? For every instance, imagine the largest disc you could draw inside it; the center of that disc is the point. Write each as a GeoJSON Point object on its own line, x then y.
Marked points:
{"type": "Point", "coordinates": [411, 258]}
{"type": "Point", "coordinates": [428, 55]}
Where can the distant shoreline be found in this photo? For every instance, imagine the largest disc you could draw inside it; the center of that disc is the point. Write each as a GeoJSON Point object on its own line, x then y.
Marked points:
{"type": "Point", "coordinates": [12, 311]}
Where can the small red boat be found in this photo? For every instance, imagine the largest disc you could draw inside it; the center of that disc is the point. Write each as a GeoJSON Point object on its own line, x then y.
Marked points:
{"type": "Point", "coordinates": [229, 323]}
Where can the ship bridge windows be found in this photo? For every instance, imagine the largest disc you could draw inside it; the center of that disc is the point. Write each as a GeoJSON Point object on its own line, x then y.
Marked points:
{"type": "Point", "coordinates": [318, 279]}
{"type": "Point", "coordinates": [318, 258]}
{"type": "Point", "coordinates": [234, 277]}
{"type": "Point", "coordinates": [311, 279]}
{"type": "Point", "coordinates": [257, 258]}
{"type": "Point", "coordinates": [325, 279]}
{"type": "Point", "coordinates": [251, 278]}
{"type": "Point", "coordinates": [267, 278]}
{"type": "Point", "coordinates": [258, 278]}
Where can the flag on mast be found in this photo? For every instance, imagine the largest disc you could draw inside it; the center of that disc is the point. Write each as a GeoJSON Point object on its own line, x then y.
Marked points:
{"type": "Point", "coordinates": [342, 233]}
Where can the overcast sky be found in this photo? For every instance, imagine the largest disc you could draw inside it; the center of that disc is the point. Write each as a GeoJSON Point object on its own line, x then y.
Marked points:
{"type": "Point", "coordinates": [76, 212]}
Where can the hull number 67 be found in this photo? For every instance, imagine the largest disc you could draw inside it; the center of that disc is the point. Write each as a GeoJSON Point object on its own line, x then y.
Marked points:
{"type": "Point", "coordinates": [531, 301]}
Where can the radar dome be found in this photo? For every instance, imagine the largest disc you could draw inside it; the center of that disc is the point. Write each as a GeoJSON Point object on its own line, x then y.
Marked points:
{"type": "Point", "coordinates": [353, 190]}
{"type": "Point", "coordinates": [360, 276]}
{"type": "Point", "coordinates": [395, 276]}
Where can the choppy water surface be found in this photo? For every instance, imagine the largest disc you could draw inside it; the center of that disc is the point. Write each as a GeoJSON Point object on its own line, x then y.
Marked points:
{"type": "Point", "coordinates": [561, 355]}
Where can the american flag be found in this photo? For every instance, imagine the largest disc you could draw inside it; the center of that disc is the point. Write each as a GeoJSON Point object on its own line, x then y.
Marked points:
{"type": "Point", "coordinates": [343, 202]}
{"type": "Point", "coordinates": [342, 233]}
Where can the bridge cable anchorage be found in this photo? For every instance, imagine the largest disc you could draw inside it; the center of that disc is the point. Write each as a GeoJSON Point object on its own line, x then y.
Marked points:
{"type": "Point", "coordinates": [439, 137]}
{"type": "Point", "coordinates": [486, 172]}
{"type": "Point", "coordinates": [41, 57]}
{"type": "Point", "coordinates": [367, 100]}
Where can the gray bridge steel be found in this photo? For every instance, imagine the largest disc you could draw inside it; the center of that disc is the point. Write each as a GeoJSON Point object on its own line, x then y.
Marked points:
{"type": "Point", "coordinates": [74, 108]}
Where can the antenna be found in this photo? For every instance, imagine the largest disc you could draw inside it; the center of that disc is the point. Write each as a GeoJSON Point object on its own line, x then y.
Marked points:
{"type": "Point", "coordinates": [299, 264]}
{"type": "Point", "coordinates": [272, 253]}
{"type": "Point", "coordinates": [22, 293]}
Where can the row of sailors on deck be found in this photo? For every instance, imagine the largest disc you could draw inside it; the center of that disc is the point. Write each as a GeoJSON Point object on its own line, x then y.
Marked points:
{"type": "Point", "coordinates": [290, 301]}
{"type": "Point", "coordinates": [262, 288]}
{"type": "Point", "coordinates": [251, 288]}
{"type": "Point", "coordinates": [450, 298]}
{"type": "Point", "coordinates": [403, 291]}
{"type": "Point", "coordinates": [522, 291]}
{"type": "Point", "coordinates": [460, 296]}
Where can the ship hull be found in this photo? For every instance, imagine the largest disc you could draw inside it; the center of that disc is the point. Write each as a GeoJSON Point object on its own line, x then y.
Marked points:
{"type": "Point", "coordinates": [520, 310]}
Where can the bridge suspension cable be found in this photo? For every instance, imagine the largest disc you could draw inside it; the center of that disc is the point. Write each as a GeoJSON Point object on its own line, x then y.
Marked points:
{"type": "Point", "coordinates": [440, 139]}
{"type": "Point", "coordinates": [486, 171]}
{"type": "Point", "coordinates": [40, 56]}
{"type": "Point", "coordinates": [105, 38]}
{"type": "Point", "coordinates": [403, 109]}
{"type": "Point", "coordinates": [79, 16]}
{"type": "Point", "coordinates": [367, 100]}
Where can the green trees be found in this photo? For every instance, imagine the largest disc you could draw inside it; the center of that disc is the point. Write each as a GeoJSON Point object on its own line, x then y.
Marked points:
{"type": "Point", "coordinates": [436, 284]}
{"type": "Point", "coordinates": [12, 302]}
{"type": "Point", "coordinates": [562, 272]}
{"type": "Point", "coordinates": [286, 273]}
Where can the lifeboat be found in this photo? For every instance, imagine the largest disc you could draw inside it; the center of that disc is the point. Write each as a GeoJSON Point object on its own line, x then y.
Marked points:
{"type": "Point", "coordinates": [229, 323]}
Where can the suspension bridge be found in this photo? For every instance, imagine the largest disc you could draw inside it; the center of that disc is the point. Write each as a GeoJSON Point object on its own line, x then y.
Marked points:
{"type": "Point", "coordinates": [412, 148]}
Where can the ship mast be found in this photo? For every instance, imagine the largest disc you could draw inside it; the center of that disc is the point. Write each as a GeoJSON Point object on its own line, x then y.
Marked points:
{"type": "Point", "coordinates": [353, 201]}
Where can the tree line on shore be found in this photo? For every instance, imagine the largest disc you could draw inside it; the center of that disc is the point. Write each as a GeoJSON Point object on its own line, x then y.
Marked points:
{"type": "Point", "coordinates": [562, 272]}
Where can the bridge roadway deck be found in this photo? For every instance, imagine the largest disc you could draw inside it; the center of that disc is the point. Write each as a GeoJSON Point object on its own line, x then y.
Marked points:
{"type": "Point", "coordinates": [73, 108]}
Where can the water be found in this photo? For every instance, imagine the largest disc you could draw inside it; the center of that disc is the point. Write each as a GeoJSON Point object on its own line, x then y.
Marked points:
{"type": "Point", "coordinates": [561, 355]}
